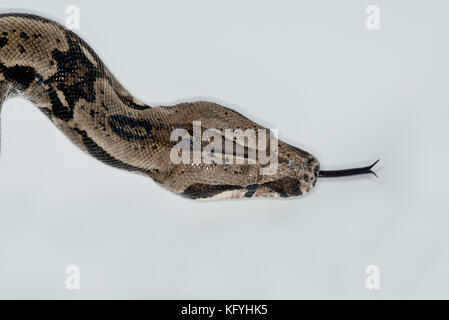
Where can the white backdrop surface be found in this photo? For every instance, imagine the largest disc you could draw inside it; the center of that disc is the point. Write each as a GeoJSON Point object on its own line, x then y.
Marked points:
{"type": "Point", "coordinates": [311, 69]}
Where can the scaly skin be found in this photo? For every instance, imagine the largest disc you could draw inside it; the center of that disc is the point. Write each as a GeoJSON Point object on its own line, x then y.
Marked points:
{"type": "Point", "coordinates": [56, 70]}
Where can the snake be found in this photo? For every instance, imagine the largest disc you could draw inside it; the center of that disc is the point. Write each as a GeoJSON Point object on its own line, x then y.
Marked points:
{"type": "Point", "coordinates": [51, 66]}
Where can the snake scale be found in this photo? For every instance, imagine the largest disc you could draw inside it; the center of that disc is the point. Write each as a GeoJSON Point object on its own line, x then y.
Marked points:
{"type": "Point", "coordinates": [56, 70]}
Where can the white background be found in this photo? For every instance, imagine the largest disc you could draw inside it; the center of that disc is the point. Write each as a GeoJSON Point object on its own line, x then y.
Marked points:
{"type": "Point", "coordinates": [311, 69]}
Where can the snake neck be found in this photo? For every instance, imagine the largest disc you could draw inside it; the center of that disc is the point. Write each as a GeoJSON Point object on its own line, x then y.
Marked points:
{"type": "Point", "coordinates": [61, 74]}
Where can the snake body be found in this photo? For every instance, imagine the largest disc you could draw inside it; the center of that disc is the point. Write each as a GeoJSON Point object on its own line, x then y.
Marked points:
{"type": "Point", "coordinates": [55, 69]}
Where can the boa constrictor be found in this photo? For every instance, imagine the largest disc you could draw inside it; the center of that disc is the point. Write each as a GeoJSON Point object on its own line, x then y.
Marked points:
{"type": "Point", "coordinates": [56, 70]}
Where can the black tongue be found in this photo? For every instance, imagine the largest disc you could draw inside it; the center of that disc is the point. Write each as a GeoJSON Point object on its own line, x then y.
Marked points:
{"type": "Point", "coordinates": [348, 172]}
